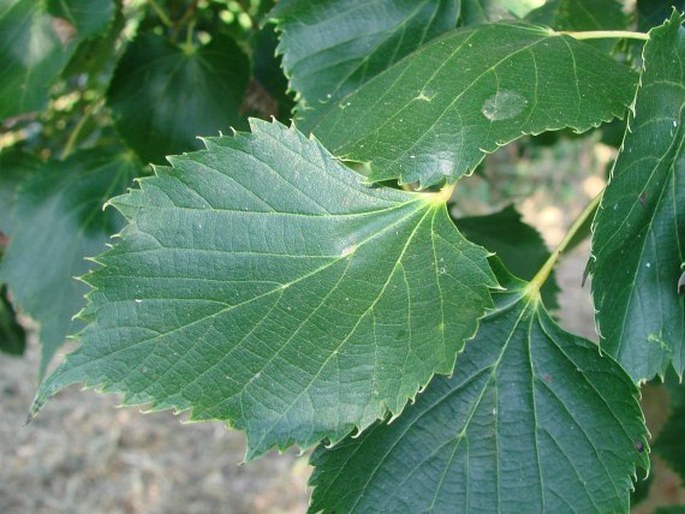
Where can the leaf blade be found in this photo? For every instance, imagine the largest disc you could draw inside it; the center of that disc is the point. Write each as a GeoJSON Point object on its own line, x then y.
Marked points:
{"type": "Point", "coordinates": [470, 442]}
{"type": "Point", "coordinates": [259, 279]}
{"type": "Point", "coordinates": [641, 223]}
{"type": "Point", "coordinates": [434, 115]}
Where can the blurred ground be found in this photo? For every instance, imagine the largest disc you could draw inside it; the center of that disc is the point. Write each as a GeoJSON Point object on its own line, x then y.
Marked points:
{"type": "Point", "coordinates": [83, 455]}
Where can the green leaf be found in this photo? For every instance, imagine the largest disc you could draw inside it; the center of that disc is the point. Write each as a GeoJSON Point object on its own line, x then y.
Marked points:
{"type": "Point", "coordinates": [12, 334]}
{"type": "Point", "coordinates": [435, 114]}
{"type": "Point", "coordinates": [163, 96]}
{"type": "Point", "coordinates": [58, 221]}
{"type": "Point", "coordinates": [651, 13]}
{"type": "Point", "coordinates": [518, 245]}
{"type": "Point", "coordinates": [35, 46]}
{"type": "Point", "coordinates": [331, 48]}
{"type": "Point", "coordinates": [533, 420]}
{"type": "Point", "coordinates": [639, 231]}
{"type": "Point", "coordinates": [581, 15]}
{"type": "Point", "coordinates": [670, 445]}
{"type": "Point", "coordinates": [261, 283]}
{"type": "Point", "coordinates": [15, 167]}
{"type": "Point", "coordinates": [88, 17]}
{"type": "Point", "coordinates": [476, 12]}
{"type": "Point", "coordinates": [673, 509]}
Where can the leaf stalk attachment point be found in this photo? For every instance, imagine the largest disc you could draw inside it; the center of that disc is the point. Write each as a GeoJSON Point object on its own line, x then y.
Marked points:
{"type": "Point", "coordinates": [540, 277]}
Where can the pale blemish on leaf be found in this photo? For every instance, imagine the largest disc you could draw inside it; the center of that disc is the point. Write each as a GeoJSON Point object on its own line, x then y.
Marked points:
{"type": "Point", "coordinates": [503, 105]}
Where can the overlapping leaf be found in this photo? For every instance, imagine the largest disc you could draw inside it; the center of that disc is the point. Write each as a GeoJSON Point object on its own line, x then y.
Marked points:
{"type": "Point", "coordinates": [37, 39]}
{"type": "Point", "coordinates": [475, 12]}
{"type": "Point", "coordinates": [434, 115]}
{"type": "Point", "coordinates": [533, 420]}
{"type": "Point", "coordinates": [259, 282]}
{"type": "Point", "coordinates": [639, 233]}
{"type": "Point", "coordinates": [57, 222]}
{"type": "Point", "coordinates": [331, 48]}
{"type": "Point", "coordinates": [162, 96]}
{"type": "Point", "coordinates": [518, 245]}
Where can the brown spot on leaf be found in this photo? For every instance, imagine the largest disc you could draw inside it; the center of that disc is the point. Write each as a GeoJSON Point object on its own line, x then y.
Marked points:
{"type": "Point", "coordinates": [64, 30]}
{"type": "Point", "coordinates": [639, 446]}
{"type": "Point", "coordinates": [643, 199]}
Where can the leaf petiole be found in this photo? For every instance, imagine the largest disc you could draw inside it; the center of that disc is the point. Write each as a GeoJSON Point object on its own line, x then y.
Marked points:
{"type": "Point", "coordinates": [541, 276]}
{"type": "Point", "coordinates": [605, 34]}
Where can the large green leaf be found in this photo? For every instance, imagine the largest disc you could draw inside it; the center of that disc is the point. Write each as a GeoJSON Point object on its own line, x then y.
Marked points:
{"type": "Point", "coordinates": [163, 96]}
{"type": "Point", "coordinates": [639, 232]}
{"type": "Point", "coordinates": [518, 245]}
{"type": "Point", "coordinates": [533, 420]}
{"type": "Point", "coordinates": [261, 283]}
{"type": "Point", "coordinates": [36, 42]}
{"type": "Point", "coordinates": [332, 47]}
{"type": "Point", "coordinates": [57, 222]}
{"type": "Point", "coordinates": [435, 114]}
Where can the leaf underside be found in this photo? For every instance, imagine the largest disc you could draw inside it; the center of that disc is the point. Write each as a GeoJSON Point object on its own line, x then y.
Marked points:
{"type": "Point", "coordinates": [639, 232]}
{"type": "Point", "coordinates": [261, 283]}
{"type": "Point", "coordinates": [533, 420]}
{"type": "Point", "coordinates": [435, 114]}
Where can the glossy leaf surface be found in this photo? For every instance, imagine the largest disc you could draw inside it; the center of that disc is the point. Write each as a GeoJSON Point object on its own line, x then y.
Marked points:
{"type": "Point", "coordinates": [639, 232]}
{"type": "Point", "coordinates": [533, 420]}
{"type": "Point", "coordinates": [163, 97]}
{"type": "Point", "coordinates": [261, 283]}
{"type": "Point", "coordinates": [434, 115]}
{"type": "Point", "coordinates": [57, 223]}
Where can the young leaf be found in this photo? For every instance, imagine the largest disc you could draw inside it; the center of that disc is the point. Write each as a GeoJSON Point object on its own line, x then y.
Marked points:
{"type": "Point", "coordinates": [261, 283]}
{"type": "Point", "coordinates": [331, 48]}
{"type": "Point", "coordinates": [518, 245]}
{"type": "Point", "coordinates": [435, 114]}
{"type": "Point", "coordinates": [162, 96]}
{"type": "Point", "coordinates": [58, 221]}
{"type": "Point", "coordinates": [35, 45]}
{"type": "Point", "coordinates": [639, 232]}
{"type": "Point", "coordinates": [533, 420]}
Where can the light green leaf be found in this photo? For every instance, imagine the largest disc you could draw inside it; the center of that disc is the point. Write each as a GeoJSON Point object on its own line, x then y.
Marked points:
{"type": "Point", "coordinates": [518, 245]}
{"type": "Point", "coordinates": [533, 420]}
{"type": "Point", "coordinates": [58, 221]}
{"type": "Point", "coordinates": [331, 48]}
{"type": "Point", "coordinates": [639, 231]}
{"type": "Point", "coordinates": [435, 114]}
{"type": "Point", "coordinates": [261, 283]}
{"type": "Point", "coordinates": [36, 45]}
{"type": "Point", "coordinates": [162, 96]}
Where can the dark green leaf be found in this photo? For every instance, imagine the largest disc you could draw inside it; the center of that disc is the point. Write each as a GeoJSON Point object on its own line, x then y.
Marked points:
{"type": "Point", "coordinates": [639, 231]}
{"type": "Point", "coordinates": [518, 245]}
{"type": "Point", "coordinates": [670, 445]}
{"type": "Point", "coordinates": [476, 12]}
{"type": "Point", "coordinates": [12, 334]}
{"type": "Point", "coordinates": [581, 15]}
{"type": "Point", "coordinates": [87, 17]}
{"type": "Point", "coordinates": [651, 13]}
{"type": "Point", "coordinates": [58, 221]}
{"type": "Point", "coordinates": [261, 283]}
{"type": "Point", "coordinates": [162, 96]}
{"type": "Point", "coordinates": [35, 46]}
{"type": "Point", "coordinates": [330, 48]}
{"type": "Point", "coordinates": [15, 167]}
{"type": "Point", "coordinates": [434, 115]}
{"type": "Point", "coordinates": [533, 420]}
{"type": "Point", "coordinates": [674, 509]}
